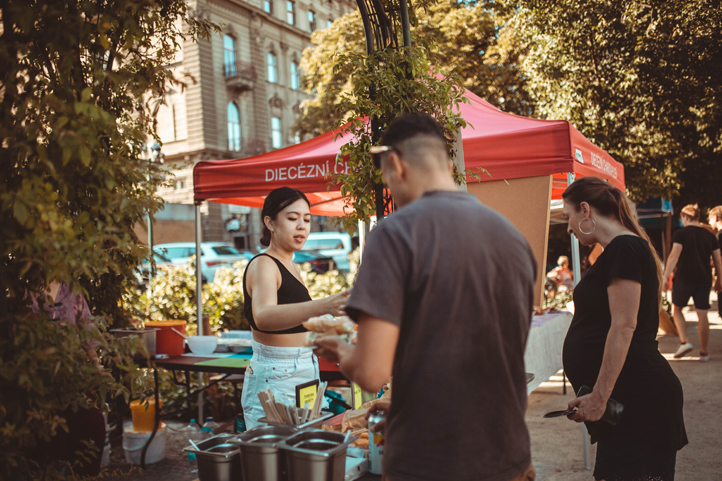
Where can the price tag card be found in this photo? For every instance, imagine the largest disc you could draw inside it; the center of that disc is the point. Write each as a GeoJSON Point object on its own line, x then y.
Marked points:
{"type": "Point", "coordinates": [306, 393]}
{"type": "Point", "coordinates": [356, 397]}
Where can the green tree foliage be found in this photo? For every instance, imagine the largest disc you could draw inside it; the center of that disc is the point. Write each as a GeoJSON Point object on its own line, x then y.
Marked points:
{"type": "Point", "coordinates": [640, 79]}
{"type": "Point", "coordinates": [460, 39]}
{"type": "Point", "coordinates": [79, 82]}
{"type": "Point", "coordinates": [45, 373]}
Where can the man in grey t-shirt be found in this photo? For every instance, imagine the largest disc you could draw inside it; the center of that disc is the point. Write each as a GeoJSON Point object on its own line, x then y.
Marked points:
{"type": "Point", "coordinates": [443, 302]}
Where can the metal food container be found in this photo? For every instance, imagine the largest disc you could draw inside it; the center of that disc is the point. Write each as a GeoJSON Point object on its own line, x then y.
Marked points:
{"type": "Point", "coordinates": [218, 459]}
{"type": "Point", "coordinates": [261, 460]}
{"type": "Point", "coordinates": [316, 455]}
{"type": "Point", "coordinates": [147, 334]}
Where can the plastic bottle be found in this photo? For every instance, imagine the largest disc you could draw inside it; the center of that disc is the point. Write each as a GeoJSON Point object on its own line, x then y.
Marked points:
{"type": "Point", "coordinates": [209, 428]}
{"type": "Point", "coordinates": [194, 433]}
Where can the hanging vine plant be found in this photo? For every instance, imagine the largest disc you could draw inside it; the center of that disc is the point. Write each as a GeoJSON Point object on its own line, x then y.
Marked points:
{"type": "Point", "coordinates": [387, 83]}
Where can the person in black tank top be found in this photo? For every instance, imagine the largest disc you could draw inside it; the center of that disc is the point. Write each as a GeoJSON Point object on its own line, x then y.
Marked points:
{"type": "Point", "coordinates": [276, 303]}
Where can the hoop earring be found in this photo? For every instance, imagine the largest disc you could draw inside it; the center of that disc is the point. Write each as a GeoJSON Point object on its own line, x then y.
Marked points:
{"type": "Point", "coordinates": [594, 226]}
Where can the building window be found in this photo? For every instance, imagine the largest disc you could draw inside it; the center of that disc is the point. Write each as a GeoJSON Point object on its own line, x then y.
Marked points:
{"type": "Point", "coordinates": [229, 55]}
{"type": "Point", "coordinates": [311, 21]}
{"type": "Point", "coordinates": [276, 137]}
{"type": "Point", "coordinates": [329, 22]}
{"type": "Point", "coordinates": [234, 128]}
{"type": "Point", "coordinates": [290, 12]}
{"type": "Point", "coordinates": [268, 6]}
{"type": "Point", "coordinates": [272, 68]}
{"type": "Point", "coordinates": [295, 76]}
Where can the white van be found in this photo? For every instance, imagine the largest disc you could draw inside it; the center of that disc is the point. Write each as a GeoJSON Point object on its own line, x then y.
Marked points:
{"type": "Point", "coordinates": [336, 245]}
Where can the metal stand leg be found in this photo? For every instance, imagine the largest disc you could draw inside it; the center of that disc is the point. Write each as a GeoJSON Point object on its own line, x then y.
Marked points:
{"type": "Point", "coordinates": [188, 396]}
{"type": "Point", "coordinates": [157, 420]}
{"type": "Point", "coordinates": [587, 446]}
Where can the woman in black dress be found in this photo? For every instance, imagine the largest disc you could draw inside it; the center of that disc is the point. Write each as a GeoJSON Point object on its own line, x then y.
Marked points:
{"type": "Point", "coordinates": [611, 344]}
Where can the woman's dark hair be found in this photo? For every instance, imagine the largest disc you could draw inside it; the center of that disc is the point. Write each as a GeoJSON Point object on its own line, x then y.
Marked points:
{"type": "Point", "coordinates": [277, 200]}
{"type": "Point", "coordinates": [610, 202]}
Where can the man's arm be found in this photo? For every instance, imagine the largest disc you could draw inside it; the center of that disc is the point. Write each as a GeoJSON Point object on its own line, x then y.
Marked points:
{"type": "Point", "coordinates": [671, 263]}
{"type": "Point", "coordinates": [718, 269]}
{"type": "Point", "coordinates": [369, 362]}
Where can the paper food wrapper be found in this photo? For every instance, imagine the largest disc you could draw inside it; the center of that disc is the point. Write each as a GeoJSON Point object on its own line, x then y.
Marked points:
{"type": "Point", "coordinates": [325, 326]}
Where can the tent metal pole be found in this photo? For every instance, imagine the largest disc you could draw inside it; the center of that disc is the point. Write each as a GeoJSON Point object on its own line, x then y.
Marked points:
{"type": "Point", "coordinates": [361, 238]}
{"type": "Point", "coordinates": [576, 268]}
{"type": "Point", "coordinates": [199, 303]}
{"type": "Point", "coordinates": [576, 261]}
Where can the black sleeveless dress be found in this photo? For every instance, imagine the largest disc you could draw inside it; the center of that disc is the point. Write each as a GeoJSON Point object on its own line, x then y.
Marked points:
{"type": "Point", "coordinates": [292, 291]}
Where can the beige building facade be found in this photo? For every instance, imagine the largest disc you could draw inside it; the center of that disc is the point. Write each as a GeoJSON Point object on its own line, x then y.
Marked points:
{"type": "Point", "coordinates": [242, 95]}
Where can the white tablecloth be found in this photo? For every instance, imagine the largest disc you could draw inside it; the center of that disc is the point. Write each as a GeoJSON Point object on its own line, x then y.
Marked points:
{"type": "Point", "coordinates": [543, 356]}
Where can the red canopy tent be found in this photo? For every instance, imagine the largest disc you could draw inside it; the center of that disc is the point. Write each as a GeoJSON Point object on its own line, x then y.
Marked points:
{"type": "Point", "coordinates": [506, 145]}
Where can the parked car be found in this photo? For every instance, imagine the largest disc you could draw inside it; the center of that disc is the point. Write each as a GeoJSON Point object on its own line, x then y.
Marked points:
{"type": "Point", "coordinates": [143, 271]}
{"type": "Point", "coordinates": [336, 245]}
{"type": "Point", "coordinates": [213, 255]}
{"type": "Point", "coordinates": [319, 263]}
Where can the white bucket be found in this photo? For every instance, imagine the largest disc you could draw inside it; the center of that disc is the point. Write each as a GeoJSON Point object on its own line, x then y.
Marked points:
{"type": "Point", "coordinates": [133, 443]}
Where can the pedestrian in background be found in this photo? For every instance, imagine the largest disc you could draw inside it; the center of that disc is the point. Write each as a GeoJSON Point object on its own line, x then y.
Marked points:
{"type": "Point", "coordinates": [714, 217]}
{"type": "Point", "coordinates": [611, 344]}
{"type": "Point", "coordinates": [692, 247]}
{"type": "Point", "coordinates": [443, 301]}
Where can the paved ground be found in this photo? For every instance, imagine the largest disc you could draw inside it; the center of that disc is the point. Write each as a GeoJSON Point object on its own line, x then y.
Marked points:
{"type": "Point", "coordinates": [557, 443]}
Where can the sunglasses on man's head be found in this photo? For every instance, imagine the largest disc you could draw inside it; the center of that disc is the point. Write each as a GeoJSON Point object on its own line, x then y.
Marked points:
{"type": "Point", "coordinates": [377, 150]}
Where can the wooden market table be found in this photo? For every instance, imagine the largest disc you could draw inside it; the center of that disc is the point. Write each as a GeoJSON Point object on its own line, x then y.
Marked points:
{"type": "Point", "coordinates": [231, 367]}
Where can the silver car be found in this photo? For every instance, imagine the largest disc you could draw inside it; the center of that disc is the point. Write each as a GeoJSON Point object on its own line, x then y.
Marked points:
{"type": "Point", "coordinates": [213, 255]}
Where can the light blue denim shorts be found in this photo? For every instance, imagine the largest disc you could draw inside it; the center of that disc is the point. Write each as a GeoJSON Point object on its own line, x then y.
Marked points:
{"type": "Point", "coordinates": [281, 369]}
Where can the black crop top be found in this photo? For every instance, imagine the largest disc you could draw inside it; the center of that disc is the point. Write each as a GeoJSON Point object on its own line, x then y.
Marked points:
{"type": "Point", "coordinates": [291, 291]}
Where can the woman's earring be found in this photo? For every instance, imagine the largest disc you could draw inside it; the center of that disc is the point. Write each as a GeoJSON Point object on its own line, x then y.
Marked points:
{"type": "Point", "coordinates": [594, 226]}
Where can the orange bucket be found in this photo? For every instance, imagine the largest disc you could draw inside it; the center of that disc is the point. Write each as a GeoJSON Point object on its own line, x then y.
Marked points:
{"type": "Point", "coordinates": [168, 341]}
{"type": "Point", "coordinates": [143, 414]}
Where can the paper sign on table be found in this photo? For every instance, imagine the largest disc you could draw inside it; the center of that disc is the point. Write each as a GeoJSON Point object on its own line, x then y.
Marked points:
{"type": "Point", "coordinates": [306, 393]}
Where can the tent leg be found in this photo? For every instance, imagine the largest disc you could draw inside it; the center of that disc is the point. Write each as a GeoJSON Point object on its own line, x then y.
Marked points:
{"type": "Point", "coordinates": [361, 238]}
{"type": "Point", "coordinates": [576, 262]}
{"type": "Point", "coordinates": [199, 303]}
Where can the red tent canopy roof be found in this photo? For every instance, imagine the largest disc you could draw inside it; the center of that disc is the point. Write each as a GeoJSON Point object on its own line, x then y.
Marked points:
{"type": "Point", "coordinates": [506, 145]}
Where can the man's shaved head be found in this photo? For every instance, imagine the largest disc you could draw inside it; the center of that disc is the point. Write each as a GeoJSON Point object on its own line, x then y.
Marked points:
{"type": "Point", "coordinates": [420, 140]}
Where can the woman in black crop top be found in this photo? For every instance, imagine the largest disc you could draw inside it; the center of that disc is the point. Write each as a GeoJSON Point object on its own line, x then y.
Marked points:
{"type": "Point", "coordinates": [276, 302]}
{"type": "Point", "coordinates": [611, 345]}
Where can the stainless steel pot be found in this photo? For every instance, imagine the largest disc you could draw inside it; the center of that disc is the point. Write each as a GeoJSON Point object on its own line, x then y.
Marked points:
{"type": "Point", "coordinates": [147, 334]}
{"type": "Point", "coordinates": [218, 459]}
{"type": "Point", "coordinates": [261, 460]}
{"type": "Point", "coordinates": [316, 455]}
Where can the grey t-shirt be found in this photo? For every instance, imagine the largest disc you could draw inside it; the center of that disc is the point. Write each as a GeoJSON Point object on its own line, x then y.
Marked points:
{"type": "Point", "coordinates": [457, 278]}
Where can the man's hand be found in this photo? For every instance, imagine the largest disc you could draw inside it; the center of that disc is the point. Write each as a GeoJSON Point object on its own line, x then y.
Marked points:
{"type": "Point", "coordinates": [332, 348]}
{"type": "Point", "coordinates": [379, 406]}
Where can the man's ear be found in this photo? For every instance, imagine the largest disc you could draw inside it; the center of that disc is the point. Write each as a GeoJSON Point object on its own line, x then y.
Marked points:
{"type": "Point", "coordinates": [396, 166]}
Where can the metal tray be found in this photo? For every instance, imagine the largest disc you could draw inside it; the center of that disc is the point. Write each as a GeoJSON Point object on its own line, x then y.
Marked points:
{"type": "Point", "coordinates": [315, 423]}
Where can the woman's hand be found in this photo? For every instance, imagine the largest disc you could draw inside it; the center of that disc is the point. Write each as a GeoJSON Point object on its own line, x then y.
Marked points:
{"type": "Point", "coordinates": [336, 304]}
{"type": "Point", "coordinates": [589, 408]}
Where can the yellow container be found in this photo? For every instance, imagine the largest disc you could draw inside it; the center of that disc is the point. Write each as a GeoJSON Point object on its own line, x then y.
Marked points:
{"type": "Point", "coordinates": [143, 412]}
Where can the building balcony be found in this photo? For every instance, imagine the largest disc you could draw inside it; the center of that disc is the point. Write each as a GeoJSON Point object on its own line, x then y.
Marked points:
{"type": "Point", "coordinates": [240, 76]}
